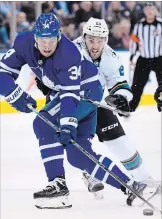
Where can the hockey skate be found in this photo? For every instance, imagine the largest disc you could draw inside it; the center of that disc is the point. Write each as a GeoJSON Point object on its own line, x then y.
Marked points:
{"type": "Point", "coordinates": [138, 188]}
{"type": "Point", "coordinates": [143, 190]}
{"type": "Point", "coordinates": [94, 185]}
{"type": "Point", "coordinates": [54, 196]}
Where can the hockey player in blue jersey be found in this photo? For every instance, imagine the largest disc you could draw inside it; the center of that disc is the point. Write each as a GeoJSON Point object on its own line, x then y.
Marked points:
{"type": "Point", "coordinates": [57, 62]}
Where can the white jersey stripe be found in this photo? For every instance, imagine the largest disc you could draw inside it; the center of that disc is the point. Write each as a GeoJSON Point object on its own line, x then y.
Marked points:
{"type": "Point", "coordinates": [57, 144]}
{"type": "Point", "coordinates": [9, 69]}
{"type": "Point", "coordinates": [56, 157]}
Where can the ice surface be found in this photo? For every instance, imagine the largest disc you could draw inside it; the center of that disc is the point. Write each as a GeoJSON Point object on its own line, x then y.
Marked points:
{"type": "Point", "coordinates": [22, 171]}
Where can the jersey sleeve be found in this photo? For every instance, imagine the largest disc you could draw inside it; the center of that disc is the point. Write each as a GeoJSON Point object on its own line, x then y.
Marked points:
{"type": "Point", "coordinates": [10, 66]}
{"type": "Point", "coordinates": [115, 78]}
{"type": "Point", "coordinates": [69, 93]}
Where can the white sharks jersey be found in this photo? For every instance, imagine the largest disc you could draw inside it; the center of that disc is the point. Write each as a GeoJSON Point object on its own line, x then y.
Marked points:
{"type": "Point", "coordinates": [111, 71]}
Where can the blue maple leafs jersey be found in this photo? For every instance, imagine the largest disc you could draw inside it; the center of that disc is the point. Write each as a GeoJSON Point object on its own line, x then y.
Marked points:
{"type": "Point", "coordinates": [66, 71]}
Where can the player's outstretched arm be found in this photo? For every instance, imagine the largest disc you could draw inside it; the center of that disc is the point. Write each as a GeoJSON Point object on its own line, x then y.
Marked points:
{"type": "Point", "coordinates": [10, 67]}
{"type": "Point", "coordinates": [119, 90]}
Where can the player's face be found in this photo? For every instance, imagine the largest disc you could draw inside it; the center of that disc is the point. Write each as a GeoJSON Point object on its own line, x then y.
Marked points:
{"type": "Point", "coordinates": [47, 46]}
{"type": "Point", "coordinates": [95, 45]}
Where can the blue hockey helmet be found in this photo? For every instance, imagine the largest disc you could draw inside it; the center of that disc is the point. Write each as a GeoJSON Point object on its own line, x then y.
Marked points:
{"type": "Point", "coordinates": [47, 25]}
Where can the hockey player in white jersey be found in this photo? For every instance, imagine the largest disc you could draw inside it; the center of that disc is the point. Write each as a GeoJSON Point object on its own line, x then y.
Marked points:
{"type": "Point", "coordinates": [93, 44]}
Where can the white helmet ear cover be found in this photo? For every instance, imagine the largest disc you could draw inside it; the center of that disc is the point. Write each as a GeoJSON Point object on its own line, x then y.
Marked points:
{"type": "Point", "coordinates": [96, 27]}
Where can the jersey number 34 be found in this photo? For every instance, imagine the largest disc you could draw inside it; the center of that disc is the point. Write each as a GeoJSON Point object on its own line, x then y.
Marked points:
{"type": "Point", "coordinates": [75, 72]}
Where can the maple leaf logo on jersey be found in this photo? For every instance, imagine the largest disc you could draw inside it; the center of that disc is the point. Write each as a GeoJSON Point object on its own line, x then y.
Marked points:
{"type": "Point", "coordinates": [48, 82]}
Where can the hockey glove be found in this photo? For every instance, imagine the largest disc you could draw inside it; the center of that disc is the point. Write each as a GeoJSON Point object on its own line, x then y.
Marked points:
{"type": "Point", "coordinates": [45, 90]}
{"type": "Point", "coordinates": [118, 101]}
{"type": "Point", "coordinates": [68, 132]}
{"type": "Point", "coordinates": [158, 98]}
{"type": "Point", "coordinates": [19, 99]}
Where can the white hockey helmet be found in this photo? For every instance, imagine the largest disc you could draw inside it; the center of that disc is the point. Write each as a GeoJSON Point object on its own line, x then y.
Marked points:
{"type": "Point", "coordinates": [96, 27]}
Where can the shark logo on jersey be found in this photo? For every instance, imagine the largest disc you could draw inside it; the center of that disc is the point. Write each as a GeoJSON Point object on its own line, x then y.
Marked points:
{"type": "Point", "coordinates": [112, 53]}
{"type": "Point", "coordinates": [97, 63]}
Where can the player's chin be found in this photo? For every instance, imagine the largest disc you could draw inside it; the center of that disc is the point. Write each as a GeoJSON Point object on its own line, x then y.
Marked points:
{"type": "Point", "coordinates": [95, 55]}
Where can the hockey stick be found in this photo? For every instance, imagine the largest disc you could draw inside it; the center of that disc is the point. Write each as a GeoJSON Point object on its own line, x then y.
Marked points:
{"type": "Point", "coordinates": [93, 158]}
{"type": "Point", "coordinates": [108, 107]}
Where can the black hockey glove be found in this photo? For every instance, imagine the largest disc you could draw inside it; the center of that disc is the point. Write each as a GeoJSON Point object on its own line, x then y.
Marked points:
{"type": "Point", "coordinates": [118, 101]}
{"type": "Point", "coordinates": [158, 98]}
{"type": "Point", "coordinates": [45, 90]}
